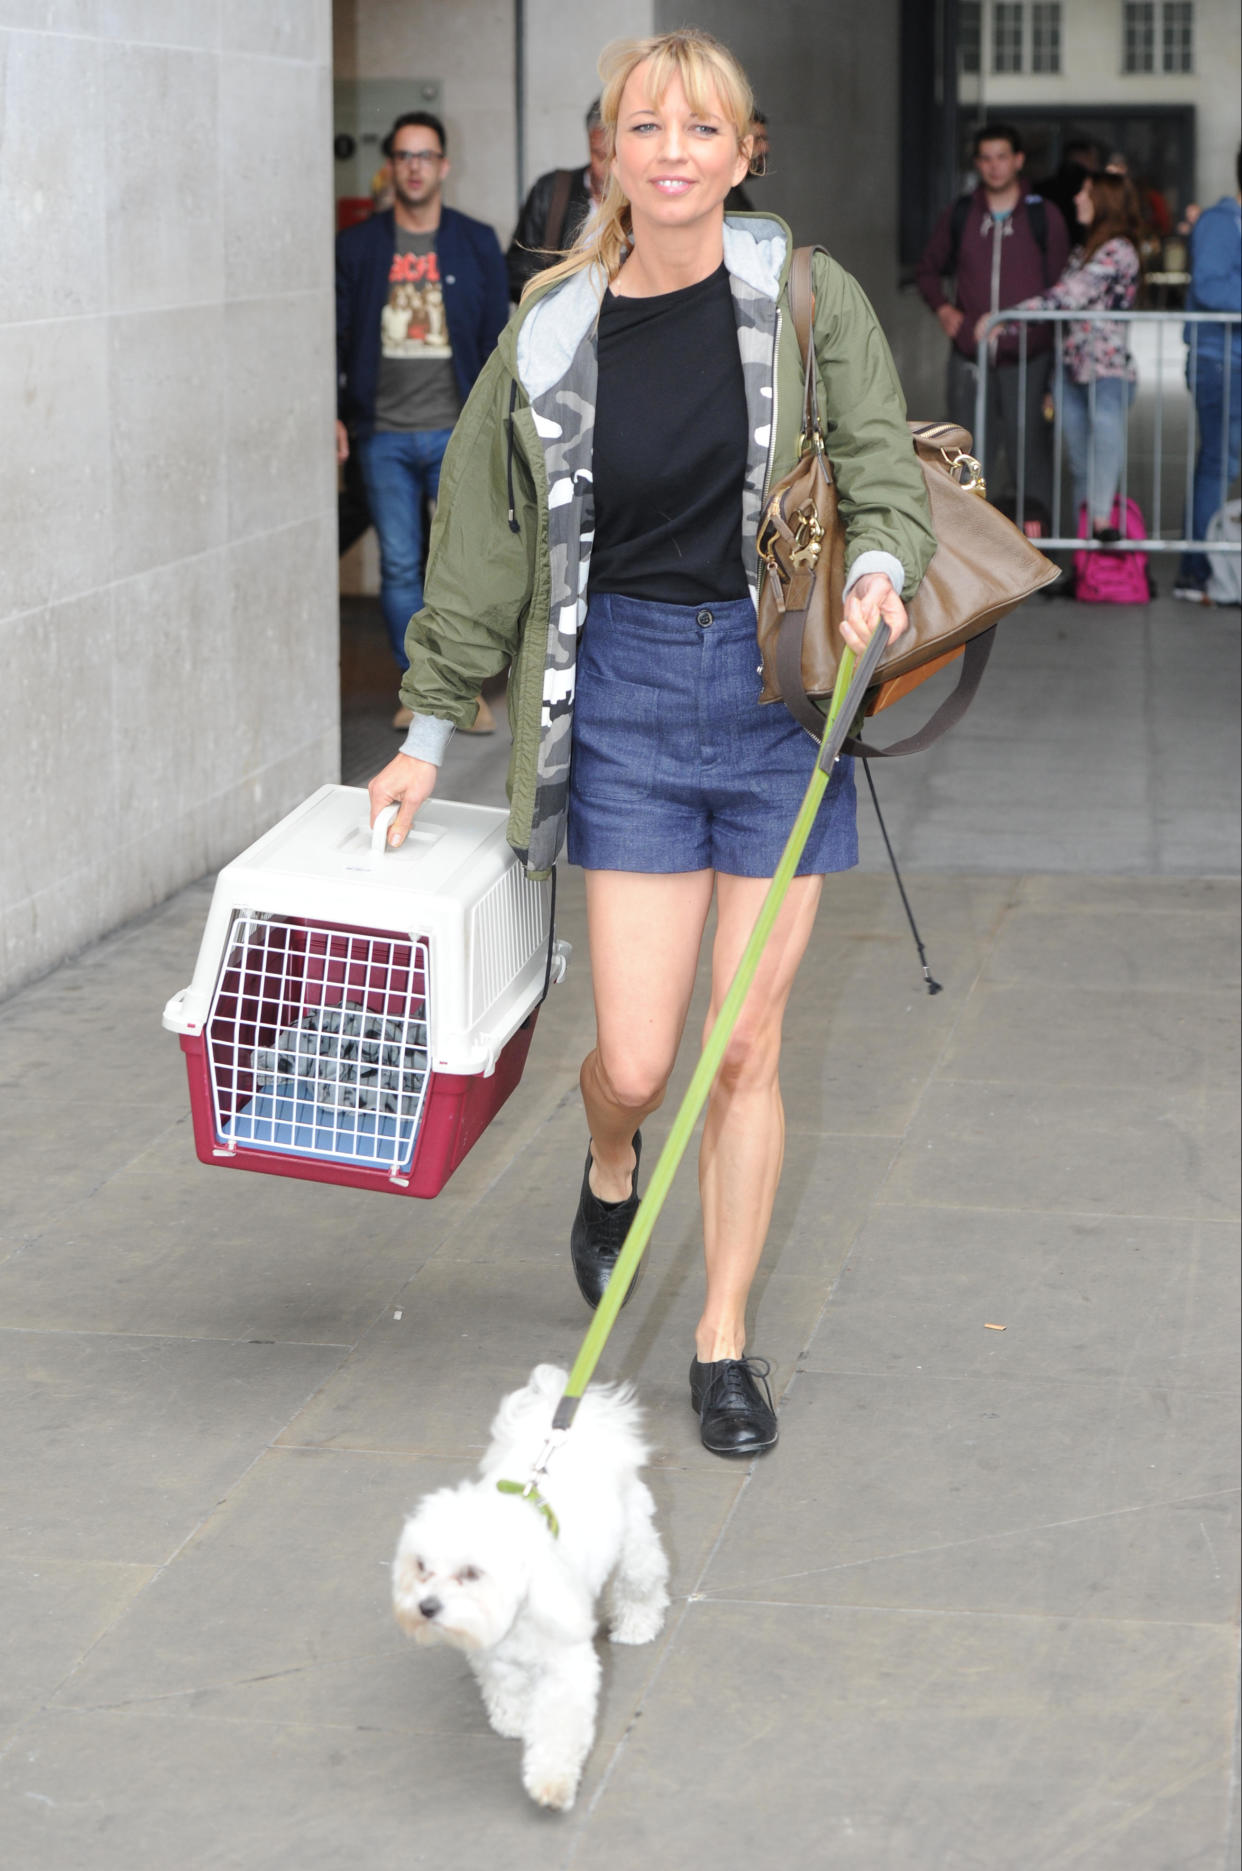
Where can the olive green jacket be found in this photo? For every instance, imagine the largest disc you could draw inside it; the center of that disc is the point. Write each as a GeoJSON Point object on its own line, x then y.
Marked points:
{"type": "Point", "coordinates": [510, 545]}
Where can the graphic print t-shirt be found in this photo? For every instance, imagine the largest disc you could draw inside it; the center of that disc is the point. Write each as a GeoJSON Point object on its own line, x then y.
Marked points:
{"type": "Point", "coordinates": [416, 387]}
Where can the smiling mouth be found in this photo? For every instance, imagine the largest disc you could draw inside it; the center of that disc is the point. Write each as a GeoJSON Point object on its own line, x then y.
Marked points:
{"type": "Point", "coordinates": [672, 184]}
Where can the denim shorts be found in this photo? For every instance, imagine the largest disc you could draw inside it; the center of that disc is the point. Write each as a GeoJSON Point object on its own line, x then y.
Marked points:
{"type": "Point", "coordinates": [675, 765]}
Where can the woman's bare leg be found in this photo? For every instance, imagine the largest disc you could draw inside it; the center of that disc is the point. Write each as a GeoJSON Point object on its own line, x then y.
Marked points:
{"type": "Point", "coordinates": [645, 933]}
{"type": "Point", "coordinates": [744, 1134]}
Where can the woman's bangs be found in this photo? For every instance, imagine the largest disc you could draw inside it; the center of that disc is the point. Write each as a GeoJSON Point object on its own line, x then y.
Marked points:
{"type": "Point", "coordinates": [711, 87]}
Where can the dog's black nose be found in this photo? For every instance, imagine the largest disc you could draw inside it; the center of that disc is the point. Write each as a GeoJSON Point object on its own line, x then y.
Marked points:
{"type": "Point", "coordinates": [430, 1607]}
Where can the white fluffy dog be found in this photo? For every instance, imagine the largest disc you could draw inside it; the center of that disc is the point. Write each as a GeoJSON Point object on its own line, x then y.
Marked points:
{"type": "Point", "coordinates": [513, 1581]}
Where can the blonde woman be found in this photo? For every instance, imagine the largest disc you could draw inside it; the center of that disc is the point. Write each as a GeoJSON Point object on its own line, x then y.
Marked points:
{"type": "Point", "coordinates": [597, 527]}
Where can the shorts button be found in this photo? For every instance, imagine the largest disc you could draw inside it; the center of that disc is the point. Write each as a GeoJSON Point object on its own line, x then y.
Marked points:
{"type": "Point", "coordinates": [703, 619]}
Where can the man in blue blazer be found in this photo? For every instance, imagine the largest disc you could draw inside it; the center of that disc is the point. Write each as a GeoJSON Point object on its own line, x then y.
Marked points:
{"type": "Point", "coordinates": [421, 297]}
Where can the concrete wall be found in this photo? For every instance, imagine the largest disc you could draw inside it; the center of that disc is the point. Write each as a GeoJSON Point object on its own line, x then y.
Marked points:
{"type": "Point", "coordinates": [470, 47]}
{"type": "Point", "coordinates": [562, 47]}
{"type": "Point", "coordinates": [826, 73]}
{"type": "Point", "coordinates": [168, 622]}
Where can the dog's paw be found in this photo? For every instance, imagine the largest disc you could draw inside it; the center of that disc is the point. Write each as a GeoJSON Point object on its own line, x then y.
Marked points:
{"type": "Point", "coordinates": [551, 1789]}
{"type": "Point", "coordinates": [636, 1624]}
{"type": "Point", "coordinates": [507, 1718]}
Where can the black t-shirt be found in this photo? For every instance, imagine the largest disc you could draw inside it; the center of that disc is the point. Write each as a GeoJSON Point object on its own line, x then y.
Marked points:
{"type": "Point", "coordinates": [670, 450]}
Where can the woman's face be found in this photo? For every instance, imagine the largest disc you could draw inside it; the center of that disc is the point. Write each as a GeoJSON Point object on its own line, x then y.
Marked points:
{"type": "Point", "coordinates": [675, 164]}
{"type": "Point", "coordinates": [1084, 205]}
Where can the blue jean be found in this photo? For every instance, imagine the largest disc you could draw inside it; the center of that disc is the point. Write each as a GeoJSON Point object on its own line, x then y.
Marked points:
{"type": "Point", "coordinates": [676, 766]}
{"type": "Point", "coordinates": [1096, 450]}
{"type": "Point", "coordinates": [401, 469]}
{"type": "Point", "coordinates": [1211, 490]}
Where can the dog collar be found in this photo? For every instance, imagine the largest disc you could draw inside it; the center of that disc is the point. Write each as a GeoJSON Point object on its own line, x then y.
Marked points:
{"type": "Point", "coordinates": [529, 1492]}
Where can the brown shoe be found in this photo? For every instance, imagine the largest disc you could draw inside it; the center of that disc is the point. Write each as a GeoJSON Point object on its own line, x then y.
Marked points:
{"type": "Point", "coordinates": [403, 717]}
{"type": "Point", "coordinates": [484, 720]}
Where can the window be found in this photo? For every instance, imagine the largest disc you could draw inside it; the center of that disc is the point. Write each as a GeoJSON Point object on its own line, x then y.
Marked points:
{"type": "Point", "coordinates": [1007, 35]}
{"type": "Point", "coordinates": [969, 36]}
{"type": "Point", "coordinates": [1046, 37]}
{"type": "Point", "coordinates": [1179, 35]}
{"type": "Point", "coordinates": [1139, 42]}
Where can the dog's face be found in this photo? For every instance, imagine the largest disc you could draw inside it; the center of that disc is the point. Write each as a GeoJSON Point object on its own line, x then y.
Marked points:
{"type": "Point", "coordinates": [462, 1568]}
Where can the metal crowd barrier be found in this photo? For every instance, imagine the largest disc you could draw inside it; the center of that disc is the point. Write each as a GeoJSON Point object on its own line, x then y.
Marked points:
{"type": "Point", "coordinates": [1162, 322]}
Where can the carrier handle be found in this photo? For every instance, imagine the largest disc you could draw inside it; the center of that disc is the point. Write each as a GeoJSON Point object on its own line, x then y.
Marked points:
{"type": "Point", "coordinates": [379, 831]}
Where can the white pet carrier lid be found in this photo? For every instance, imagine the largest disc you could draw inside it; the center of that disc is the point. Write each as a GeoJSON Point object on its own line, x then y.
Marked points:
{"type": "Point", "coordinates": [328, 838]}
{"type": "Point", "coordinates": [455, 883]}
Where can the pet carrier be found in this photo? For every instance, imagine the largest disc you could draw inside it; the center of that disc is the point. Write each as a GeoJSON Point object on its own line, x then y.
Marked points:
{"type": "Point", "coordinates": [359, 1015]}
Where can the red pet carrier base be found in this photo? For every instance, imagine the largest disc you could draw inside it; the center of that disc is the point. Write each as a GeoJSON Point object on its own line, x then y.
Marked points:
{"type": "Point", "coordinates": [458, 1109]}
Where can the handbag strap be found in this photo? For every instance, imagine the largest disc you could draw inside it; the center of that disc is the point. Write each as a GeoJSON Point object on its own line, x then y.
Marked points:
{"type": "Point", "coordinates": [558, 202]}
{"type": "Point", "coordinates": [802, 311]}
{"type": "Point", "coordinates": [788, 654]}
{"type": "Point", "coordinates": [788, 660]}
{"type": "Point", "coordinates": [975, 655]}
{"type": "Point", "coordinates": [788, 647]}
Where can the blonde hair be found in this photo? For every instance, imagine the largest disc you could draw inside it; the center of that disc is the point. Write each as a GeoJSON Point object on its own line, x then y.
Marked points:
{"type": "Point", "coordinates": [708, 70]}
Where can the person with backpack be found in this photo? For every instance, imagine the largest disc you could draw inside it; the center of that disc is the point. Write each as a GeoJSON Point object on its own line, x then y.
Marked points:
{"type": "Point", "coordinates": [998, 244]}
{"type": "Point", "coordinates": [1097, 382]}
{"type": "Point", "coordinates": [556, 209]}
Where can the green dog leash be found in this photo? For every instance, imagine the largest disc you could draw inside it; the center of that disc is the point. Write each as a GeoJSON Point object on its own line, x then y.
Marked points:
{"type": "Point", "coordinates": [847, 700]}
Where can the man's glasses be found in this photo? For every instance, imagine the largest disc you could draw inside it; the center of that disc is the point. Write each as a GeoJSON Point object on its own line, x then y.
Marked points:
{"type": "Point", "coordinates": [417, 156]}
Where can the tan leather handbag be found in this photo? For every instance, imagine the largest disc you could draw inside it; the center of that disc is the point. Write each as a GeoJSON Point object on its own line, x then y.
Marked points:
{"type": "Point", "coordinates": [982, 568]}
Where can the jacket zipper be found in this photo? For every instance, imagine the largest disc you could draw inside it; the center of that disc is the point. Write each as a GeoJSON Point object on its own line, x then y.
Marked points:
{"type": "Point", "coordinates": [767, 469]}
{"type": "Point", "coordinates": [513, 522]}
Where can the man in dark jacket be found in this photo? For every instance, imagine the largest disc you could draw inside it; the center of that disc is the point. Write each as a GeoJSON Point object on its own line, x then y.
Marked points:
{"type": "Point", "coordinates": [1001, 244]}
{"type": "Point", "coordinates": [421, 299]}
{"type": "Point", "coordinates": [557, 206]}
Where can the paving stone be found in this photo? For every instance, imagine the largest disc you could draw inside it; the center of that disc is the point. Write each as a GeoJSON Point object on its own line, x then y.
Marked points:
{"type": "Point", "coordinates": [1139, 1150]}
{"type": "Point", "coordinates": [1188, 949]}
{"type": "Point", "coordinates": [1082, 1299]}
{"type": "Point", "coordinates": [114, 1791]}
{"type": "Point", "coordinates": [280, 1609]}
{"type": "Point", "coordinates": [430, 1380]}
{"type": "Point", "coordinates": [52, 1612]}
{"type": "Point", "coordinates": [1101, 1036]}
{"type": "Point", "coordinates": [992, 1495]}
{"type": "Point", "coordinates": [975, 1610]}
{"type": "Point", "coordinates": [115, 1448]}
{"type": "Point", "coordinates": [55, 1155]}
{"type": "Point", "coordinates": [218, 1256]}
{"type": "Point", "coordinates": [1098, 894]}
{"type": "Point", "coordinates": [906, 1740]}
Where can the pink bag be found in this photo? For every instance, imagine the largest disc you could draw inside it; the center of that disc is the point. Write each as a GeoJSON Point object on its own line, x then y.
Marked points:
{"type": "Point", "coordinates": [1106, 577]}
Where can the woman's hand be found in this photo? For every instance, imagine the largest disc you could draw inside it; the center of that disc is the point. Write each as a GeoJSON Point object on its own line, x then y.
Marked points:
{"type": "Point", "coordinates": [406, 783]}
{"type": "Point", "coordinates": [867, 602]}
{"type": "Point", "coordinates": [981, 328]}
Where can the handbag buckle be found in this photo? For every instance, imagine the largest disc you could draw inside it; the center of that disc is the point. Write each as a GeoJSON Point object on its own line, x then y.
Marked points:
{"type": "Point", "coordinates": [966, 471]}
{"type": "Point", "coordinates": [765, 544]}
{"type": "Point", "coordinates": [808, 536]}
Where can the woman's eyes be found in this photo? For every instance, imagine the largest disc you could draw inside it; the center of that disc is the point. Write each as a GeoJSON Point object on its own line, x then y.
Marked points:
{"type": "Point", "coordinates": [700, 129]}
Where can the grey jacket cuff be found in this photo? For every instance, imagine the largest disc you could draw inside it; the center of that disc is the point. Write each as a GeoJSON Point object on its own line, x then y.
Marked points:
{"type": "Point", "coordinates": [876, 562]}
{"type": "Point", "coordinates": [427, 738]}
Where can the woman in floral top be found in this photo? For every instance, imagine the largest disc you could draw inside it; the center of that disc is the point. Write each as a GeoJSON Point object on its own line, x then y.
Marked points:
{"type": "Point", "coordinates": [1098, 379]}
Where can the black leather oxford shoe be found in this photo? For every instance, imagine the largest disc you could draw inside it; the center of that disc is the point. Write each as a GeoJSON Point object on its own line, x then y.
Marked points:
{"type": "Point", "coordinates": [599, 1232]}
{"type": "Point", "coordinates": [735, 1417]}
